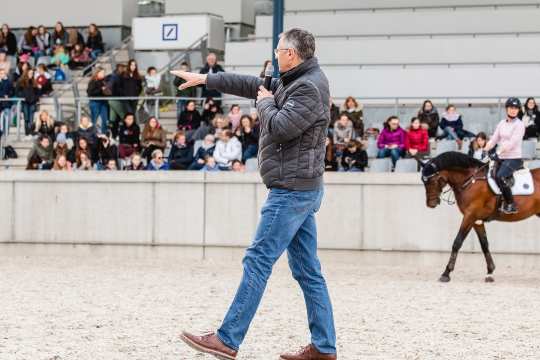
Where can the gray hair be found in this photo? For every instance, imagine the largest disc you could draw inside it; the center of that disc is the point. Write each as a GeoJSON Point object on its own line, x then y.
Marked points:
{"type": "Point", "coordinates": [301, 40]}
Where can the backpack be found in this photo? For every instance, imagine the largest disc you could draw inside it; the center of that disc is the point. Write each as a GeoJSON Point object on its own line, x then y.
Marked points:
{"type": "Point", "coordinates": [10, 153]}
{"type": "Point", "coordinates": [59, 75]}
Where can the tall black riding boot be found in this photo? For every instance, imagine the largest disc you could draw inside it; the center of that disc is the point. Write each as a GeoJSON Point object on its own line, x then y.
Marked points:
{"type": "Point", "coordinates": [508, 207]}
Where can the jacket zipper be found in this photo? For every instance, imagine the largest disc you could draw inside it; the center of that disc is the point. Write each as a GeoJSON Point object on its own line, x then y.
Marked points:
{"type": "Point", "coordinates": [280, 161]}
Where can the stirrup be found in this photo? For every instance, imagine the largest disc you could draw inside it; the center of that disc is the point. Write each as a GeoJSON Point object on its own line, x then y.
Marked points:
{"type": "Point", "coordinates": [509, 208]}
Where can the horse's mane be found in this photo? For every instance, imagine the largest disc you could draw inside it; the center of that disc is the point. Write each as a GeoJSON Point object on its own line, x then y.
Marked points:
{"type": "Point", "coordinates": [455, 160]}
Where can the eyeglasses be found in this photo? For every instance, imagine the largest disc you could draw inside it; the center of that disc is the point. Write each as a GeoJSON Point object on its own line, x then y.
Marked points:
{"type": "Point", "coordinates": [276, 51]}
{"type": "Point", "coordinates": [160, 158]}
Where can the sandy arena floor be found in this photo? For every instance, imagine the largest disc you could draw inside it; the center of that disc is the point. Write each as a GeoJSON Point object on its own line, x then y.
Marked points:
{"type": "Point", "coordinates": [65, 302]}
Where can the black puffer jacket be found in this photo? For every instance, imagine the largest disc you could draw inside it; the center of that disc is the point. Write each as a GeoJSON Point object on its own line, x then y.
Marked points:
{"type": "Point", "coordinates": [293, 123]}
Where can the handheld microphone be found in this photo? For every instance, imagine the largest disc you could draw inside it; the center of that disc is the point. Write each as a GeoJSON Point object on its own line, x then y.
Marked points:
{"type": "Point", "coordinates": [268, 76]}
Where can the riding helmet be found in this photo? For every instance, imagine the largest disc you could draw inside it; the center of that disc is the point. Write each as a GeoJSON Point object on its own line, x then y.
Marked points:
{"type": "Point", "coordinates": [513, 102]}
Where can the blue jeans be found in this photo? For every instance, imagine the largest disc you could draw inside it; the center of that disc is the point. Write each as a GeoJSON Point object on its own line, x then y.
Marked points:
{"type": "Point", "coordinates": [28, 111]}
{"type": "Point", "coordinates": [250, 152]}
{"type": "Point", "coordinates": [395, 154]}
{"type": "Point", "coordinates": [100, 108]}
{"type": "Point", "coordinates": [453, 134]}
{"type": "Point", "coordinates": [287, 223]}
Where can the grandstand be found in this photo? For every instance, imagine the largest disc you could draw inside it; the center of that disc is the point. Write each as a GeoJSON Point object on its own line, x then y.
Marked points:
{"type": "Point", "coordinates": [390, 55]}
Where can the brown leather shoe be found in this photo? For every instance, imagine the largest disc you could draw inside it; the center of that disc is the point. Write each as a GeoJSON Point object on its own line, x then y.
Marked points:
{"type": "Point", "coordinates": [308, 353]}
{"type": "Point", "coordinates": [209, 344]}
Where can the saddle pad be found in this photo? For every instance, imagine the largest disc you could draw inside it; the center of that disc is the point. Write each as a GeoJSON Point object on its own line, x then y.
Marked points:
{"type": "Point", "coordinates": [523, 183]}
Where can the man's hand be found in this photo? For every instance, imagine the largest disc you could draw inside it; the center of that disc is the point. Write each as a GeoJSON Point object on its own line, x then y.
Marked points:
{"type": "Point", "coordinates": [192, 79]}
{"type": "Point", "coordinates": [263, 93]}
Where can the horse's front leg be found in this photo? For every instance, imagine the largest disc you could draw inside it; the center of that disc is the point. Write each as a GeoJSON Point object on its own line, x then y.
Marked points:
{"type": "Point", "coordinates": [464, 229]}
{"type": "Point", "coordinates": [480, 230]}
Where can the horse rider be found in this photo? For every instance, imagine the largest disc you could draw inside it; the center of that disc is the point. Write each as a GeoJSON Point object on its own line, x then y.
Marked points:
{"type": "Point", "coordinates": [508, 138]}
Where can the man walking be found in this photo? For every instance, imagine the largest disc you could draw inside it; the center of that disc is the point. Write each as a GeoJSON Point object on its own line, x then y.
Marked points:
{"type": "Point", "coordinates": [294, 116]}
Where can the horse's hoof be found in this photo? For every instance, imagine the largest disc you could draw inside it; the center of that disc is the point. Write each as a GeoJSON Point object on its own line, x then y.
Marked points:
{"type": "Point", "coordinates": [490, 279]}
{"type": "Point", "coordinates": [444, 278]}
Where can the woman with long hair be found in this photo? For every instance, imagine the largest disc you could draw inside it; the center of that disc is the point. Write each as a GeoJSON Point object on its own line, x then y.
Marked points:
{"type": "Point", "coordinates": [44, 125]}
{"type": "Point", "coordinates": [429, 118]}
{"type": "Point", "coordinates": [417, 141]}
{"type": "Point", "coordinates": [531, 119]}
{"type": "Point", "coordinates": [356, 114]}
{"type": "Point", "coordinates": [60, 35]}
{"type": "Point", "coordinates": [94, 42]}
{"type": "Point", "coordinates": [98, 108]}
{"type": "Point", "coordinates": [132, 85]}
{"type": "Point", "coordinates": [153, 137]}
{"type": "Point", "coordinates": [392, 140]}
{"type": "Point", "coordinates": [248, 134]}
{"type": "Point", "coordinates": [28, 42]}
{"type": "Point", "coordinates": [61, 163]}
{"type": "Point", "coordinates": [8, 41]}
{"type": "Point", "coordinates": [27, 89]}
{"type": "Point", "coordinates": [43, 40]}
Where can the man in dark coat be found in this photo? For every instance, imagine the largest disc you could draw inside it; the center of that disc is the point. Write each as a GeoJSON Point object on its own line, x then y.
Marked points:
{"type": "Point", "coordinates": [294, 116]}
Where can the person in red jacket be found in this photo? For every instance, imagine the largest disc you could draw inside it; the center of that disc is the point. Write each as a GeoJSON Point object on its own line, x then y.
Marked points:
{"type": "Point", "coordinates": [417, 140]}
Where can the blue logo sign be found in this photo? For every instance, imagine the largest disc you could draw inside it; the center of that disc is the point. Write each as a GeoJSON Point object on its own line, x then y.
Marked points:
{"type": "Point", "coordinates": [169, 32]}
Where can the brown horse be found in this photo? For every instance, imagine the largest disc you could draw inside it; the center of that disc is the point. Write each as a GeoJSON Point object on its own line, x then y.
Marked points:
{"type": "Point", "coordinates": [467, 177]}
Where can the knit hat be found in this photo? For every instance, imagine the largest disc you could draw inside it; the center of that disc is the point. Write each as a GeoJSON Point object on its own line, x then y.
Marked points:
{"type": "Point", "coordinates": [61, 138]}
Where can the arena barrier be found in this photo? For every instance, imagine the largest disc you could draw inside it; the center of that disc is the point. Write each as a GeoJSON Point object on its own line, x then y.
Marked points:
{"type": "Point", "coordinates": [360, 211]}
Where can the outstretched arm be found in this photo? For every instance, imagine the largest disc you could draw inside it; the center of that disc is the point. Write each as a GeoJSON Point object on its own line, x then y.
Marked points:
{"type": "Point", "coordinates": [239, 85]}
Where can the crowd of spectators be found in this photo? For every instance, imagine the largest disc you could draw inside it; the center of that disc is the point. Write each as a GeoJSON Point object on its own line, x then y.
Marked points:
{"type": "Point", "coordinates": [29, 64]}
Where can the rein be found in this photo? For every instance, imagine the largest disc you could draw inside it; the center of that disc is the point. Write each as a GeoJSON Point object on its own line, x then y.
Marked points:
{"type": "Point", "coordinates": [472, 179]}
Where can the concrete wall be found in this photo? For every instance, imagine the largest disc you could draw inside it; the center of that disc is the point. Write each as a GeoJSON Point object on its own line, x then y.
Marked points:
{"type": "Point", "coordinates": [233, 11]}
{"type": "Point", "coordinates": [71, 13]}
{"type": "Point", "coordinates": [361, 211]}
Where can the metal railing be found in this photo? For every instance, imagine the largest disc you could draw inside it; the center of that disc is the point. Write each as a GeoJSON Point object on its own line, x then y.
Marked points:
{"type": "Point", "coordinates": [6, 117]}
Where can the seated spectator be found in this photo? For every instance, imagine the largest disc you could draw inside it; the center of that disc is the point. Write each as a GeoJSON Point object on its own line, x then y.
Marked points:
{"type": "Point", "coordinates": [28, 43]}
{"type": "Point", "coordinates": [106, 150]}
{"type": "Point", "coordinates": [356, 115]}
{"type": "Point", "coordinates": [60, 36]}
{"type": "Point", "coordinates": [153, 138]}
{"type": "Point", "coordinates": [61, 163]}
{"type": "Point", "coordinates": [343, 133]}
{"type": "Point", "coordinates": [152, 87]}
{"type": "Point", "coordinates": [391, 141]}
{"type": "Point", "coordinates": [8, 41]}
{"type": "Point", "coordinates": [110, 165]}
{"type": "Point", "coordinates": [429, 118]}
{"type": "Point", "coordinates": [6, 91]}
{"type": "Point", "coordinates": [330, 163]}
{"type": "Point", "coordinates": [238, 166]}
{"type": "Point", "coordinates": [94, 42]}
{"type": "Point", "coordinates": [417, 141]}
{"type": "Point", "coordinates": [210, 110]}
{"type": "Point", "coordinates": [219, 124]}
{"type": "Point", "coordinates": [129, 135]}
{"type": "Point", "coordinates": [5, 64]}
{"type": "Point", "coordinates": [249, 137]}
{"type": "Point", "coordinates": [452, 125]}
{"type": "Point", "coordinates": [80, 57]}
{"type": "Point", "coordinates": [354, 157]}
{"type": "Point", "coordinates": [87, 131]}
{"type": "Point", "coordinates": [41, 153]}
{"type": "Point", "coordinates": [82, 147]}
{"type": "Point", "coordinates": [531, 119]}
{"type": "Point", "coordinates": [60, 57]}
{"type": "Point", "coordinates": [254, 114]}
{"type": "Point", "coordinates": [83, 162]}
{"type": "Point", "coordinates": [476, 148]}
{"type": "Point", "coordinates": [228, 148]}
{"type": "Point", "coordinates": [98, 108]}
{"type": "Point", "coordinates": [61, 146]}
{"type": "Point", "coordinates": [27, 89]}
{"type": "Point", "coordinates": [157, 161]}
{"type": "Point", "coordinates": [234, 116]}
{"type": "Point", "coordinates": [181, 155]}
{"type": "Point", "coordinates": [74, 38]}
{"type": "Point", "coordinates": [21, 68]}
{"type": "Point", "coordinates": [43, 80]}
{"type": "Point", "coordinates": [63, 129]}
{"type": "Point", "coordinates": [190, 119]}
{"type": "Point", "coordinates": [206, 149]}
{"type": "Point", "coordinates": [44, 41]}
{"type": "Point", "coordinates": [136, 163]}
{"type": "Point", "coordinates": [44, 125]}
{"type": "Point", "coordinates": [210, 164]}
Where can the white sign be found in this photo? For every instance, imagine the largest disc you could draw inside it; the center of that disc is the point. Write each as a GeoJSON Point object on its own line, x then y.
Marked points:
{"type": "Point", "coordinates": [177, 32]}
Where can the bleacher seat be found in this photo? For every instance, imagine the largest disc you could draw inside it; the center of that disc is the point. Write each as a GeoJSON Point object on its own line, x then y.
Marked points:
{"type": "Point", "coordinates": [252, 165]}
{"type": "Point", "coordinates": [529, 149]}
{"type": "Point", "coordinates": [406, 166]}
{"type": "Point", "coordinates": [445, 146]}
{"type": "Point", "coordinates": [380, 165]}
{"type": "Point", "coordinates": [371, 148]}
